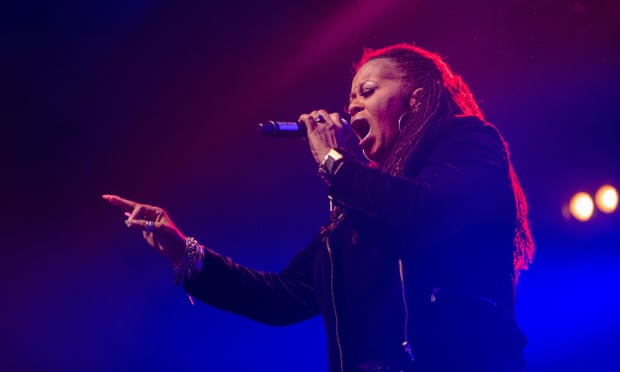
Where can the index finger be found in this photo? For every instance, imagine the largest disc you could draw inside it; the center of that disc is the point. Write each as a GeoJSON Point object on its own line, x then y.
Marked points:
{"type": "Point", "coordinates": [341, 122]}
{"type": "Point", "coordinates": [116, 200]}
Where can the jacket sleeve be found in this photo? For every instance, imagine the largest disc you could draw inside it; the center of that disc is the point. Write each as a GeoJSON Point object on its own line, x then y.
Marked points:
{"type": "Point", "coordinates": [465, 180]}
{"type": "Point", "coordinates": [267, 297]}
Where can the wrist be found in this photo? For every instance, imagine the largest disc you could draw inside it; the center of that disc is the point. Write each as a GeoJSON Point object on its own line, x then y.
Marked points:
{"type": "Point", "coordinates": [176, 254]}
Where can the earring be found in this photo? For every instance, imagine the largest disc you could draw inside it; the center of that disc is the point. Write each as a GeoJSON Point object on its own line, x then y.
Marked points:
{"type": "Point", "coordinates": [403, 119]}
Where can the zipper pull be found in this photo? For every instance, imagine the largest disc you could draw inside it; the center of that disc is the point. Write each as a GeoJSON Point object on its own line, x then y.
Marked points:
{"type": "Point", "coordinates": [408, 351]}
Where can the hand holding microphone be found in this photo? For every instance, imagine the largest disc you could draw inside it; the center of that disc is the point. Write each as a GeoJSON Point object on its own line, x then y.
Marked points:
{"type": "Point", "coordinates": [324, 132]}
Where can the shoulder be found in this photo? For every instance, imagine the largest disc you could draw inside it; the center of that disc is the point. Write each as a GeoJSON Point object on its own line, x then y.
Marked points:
{"type": "Point", "coordinates": [474, 131]}
{"type": "Point", "coordinates": [461, 125]}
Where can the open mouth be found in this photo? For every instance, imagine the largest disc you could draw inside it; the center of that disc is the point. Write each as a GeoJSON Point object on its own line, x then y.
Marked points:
{"type": "Point", "coordinates": [360, 128]}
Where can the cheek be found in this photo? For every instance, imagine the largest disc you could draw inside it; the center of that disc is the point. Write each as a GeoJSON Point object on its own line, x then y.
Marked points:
{"type": "Point", "coordinates": [390, 115]}
{"type": "Point", "coordinates": [396, 104]}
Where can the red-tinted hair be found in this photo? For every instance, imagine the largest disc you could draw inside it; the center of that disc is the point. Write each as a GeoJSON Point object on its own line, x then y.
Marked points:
{"type": "Point", "coordinates": [418, 64]}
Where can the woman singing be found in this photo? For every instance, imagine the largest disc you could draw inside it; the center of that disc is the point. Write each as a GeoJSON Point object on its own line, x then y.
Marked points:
{"type": "Point", "coordinates": [417, 267]}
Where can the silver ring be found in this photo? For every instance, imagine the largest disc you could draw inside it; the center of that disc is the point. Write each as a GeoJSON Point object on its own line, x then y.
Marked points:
{"type": "Point", "coordinates": [149, 226]}
{"type": "Point", "coordinates": [318, 119]}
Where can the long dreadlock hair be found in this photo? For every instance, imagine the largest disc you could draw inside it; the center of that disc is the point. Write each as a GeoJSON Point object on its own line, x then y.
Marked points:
{"type": "Point", "coordinates": [444, 94]}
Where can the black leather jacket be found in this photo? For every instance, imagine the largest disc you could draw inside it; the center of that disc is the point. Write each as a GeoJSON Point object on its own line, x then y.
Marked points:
{"type": "Point", "coordinates": [418, 267]}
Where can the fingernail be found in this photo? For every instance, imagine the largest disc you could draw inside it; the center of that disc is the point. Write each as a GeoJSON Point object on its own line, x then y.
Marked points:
{"type": "Point", "coordinates": [128, 223]}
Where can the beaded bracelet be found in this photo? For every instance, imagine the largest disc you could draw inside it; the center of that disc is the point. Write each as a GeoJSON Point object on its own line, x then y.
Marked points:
{"type": "Point", "coordinates": [190, 262]}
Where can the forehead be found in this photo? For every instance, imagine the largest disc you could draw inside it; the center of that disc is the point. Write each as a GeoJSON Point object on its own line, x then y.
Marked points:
{"type": "Point", "coordinates": [377, 69]}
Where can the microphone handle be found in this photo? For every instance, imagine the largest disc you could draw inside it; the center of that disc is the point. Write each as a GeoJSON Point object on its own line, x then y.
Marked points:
{"type": "Point", "coordinates": [287, 129]}
{"type": "Point", "coordinates": [282, 129]}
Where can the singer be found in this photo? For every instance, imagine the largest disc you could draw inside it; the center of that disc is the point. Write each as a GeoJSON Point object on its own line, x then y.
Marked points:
{"type": "Point", "coordinates": [417, 267]}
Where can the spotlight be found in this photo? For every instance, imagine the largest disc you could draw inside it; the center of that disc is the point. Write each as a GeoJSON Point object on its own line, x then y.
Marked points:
{"type": "Point", "coordinates": [606, 199]}
{"type": "Point", "coordinates": [581, 206]}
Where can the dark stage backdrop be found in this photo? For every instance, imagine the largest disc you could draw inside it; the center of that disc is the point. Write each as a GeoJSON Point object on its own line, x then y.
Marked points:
{"type": "Point", "coordinates": [158, 101]}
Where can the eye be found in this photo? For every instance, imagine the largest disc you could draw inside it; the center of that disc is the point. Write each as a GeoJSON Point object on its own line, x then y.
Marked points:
{"type": "Point", "coordinates": [368, 88]}
{"type": "Point", "coordinates": [367, 91]}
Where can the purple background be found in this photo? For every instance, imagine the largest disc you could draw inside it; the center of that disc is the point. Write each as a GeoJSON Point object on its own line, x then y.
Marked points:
{"type": "Point", "coordinates": [158, 101]}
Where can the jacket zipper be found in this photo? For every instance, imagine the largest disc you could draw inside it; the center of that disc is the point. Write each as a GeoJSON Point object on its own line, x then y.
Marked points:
{"type": "Point", "coordinates": [331, 282]}
{"type": "Point", "coordinates": [405, 343]}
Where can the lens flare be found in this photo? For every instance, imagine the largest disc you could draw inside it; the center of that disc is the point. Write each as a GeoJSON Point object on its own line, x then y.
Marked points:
{"type": "Point", "coordinates": [581, 206]}
{"type": "Point", "coordinates": [606, 199]}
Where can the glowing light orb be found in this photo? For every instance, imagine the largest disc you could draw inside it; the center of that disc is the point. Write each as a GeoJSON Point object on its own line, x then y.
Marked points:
{"type": "Point", "coordinates": [606, 199]}
{"type": "Point", "coordinates": [581, 206]}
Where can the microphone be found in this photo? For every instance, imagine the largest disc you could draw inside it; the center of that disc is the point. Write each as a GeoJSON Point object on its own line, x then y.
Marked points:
{"type": "Point", "coordinates": [288, 129]}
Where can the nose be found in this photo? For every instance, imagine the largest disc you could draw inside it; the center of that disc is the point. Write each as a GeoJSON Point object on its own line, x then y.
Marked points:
{"type": "Point", "coordinates": [354, 107]}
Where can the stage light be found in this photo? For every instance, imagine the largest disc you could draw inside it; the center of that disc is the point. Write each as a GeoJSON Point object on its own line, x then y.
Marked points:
{"type": "Point", "coordinates": [606, 199]}
{"type": "Point", "coordinates": [581, 206]}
